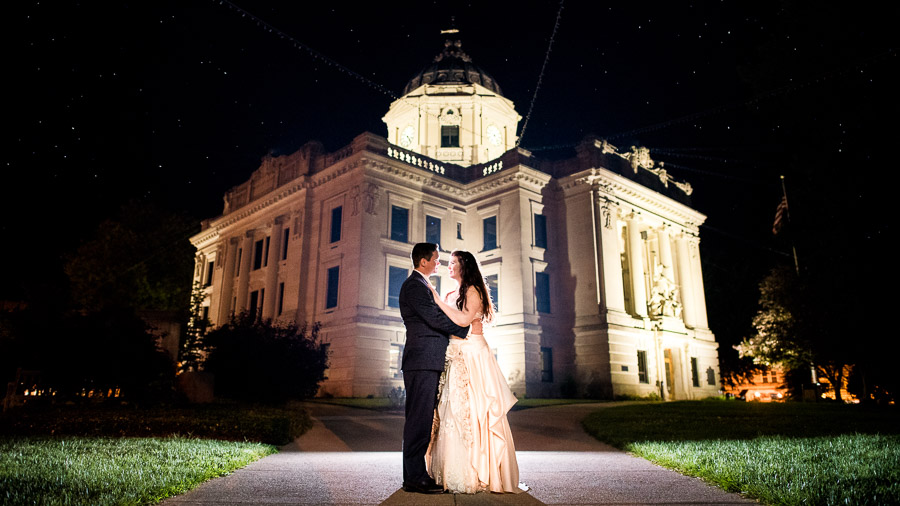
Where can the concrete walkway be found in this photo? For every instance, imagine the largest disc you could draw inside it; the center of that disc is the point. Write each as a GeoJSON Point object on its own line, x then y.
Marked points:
{"type": "Point", "coordinates": [351, 456]}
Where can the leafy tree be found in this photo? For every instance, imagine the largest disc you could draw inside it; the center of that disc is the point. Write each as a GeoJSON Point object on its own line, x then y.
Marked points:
{"type": "Point", "coordinates": [107, 350]}
{"type": "Point", "coordinates": [800, 325]}
{"type": "Point", "coordinates": [142, 259]}
{"type": "Point", "coordinates": [264, 361]}
{"type": "Point", "coordinates": [825, 75]}
{"type": "Point", "coordinates": [192, 350]}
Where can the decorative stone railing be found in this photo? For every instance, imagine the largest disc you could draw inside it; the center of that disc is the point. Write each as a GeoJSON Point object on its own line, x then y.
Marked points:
{"type": "Point", "coordinates": [491, 168]}
{"type": "Point", "coordinates": [412, 159]}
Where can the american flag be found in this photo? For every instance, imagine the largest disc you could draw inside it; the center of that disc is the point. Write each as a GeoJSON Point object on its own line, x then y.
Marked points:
{"type": "Point", "coordinates": [781, 215]}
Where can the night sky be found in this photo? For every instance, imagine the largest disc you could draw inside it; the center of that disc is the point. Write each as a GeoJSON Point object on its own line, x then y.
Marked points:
{"type": "Point", "coordinates": [174, 102]}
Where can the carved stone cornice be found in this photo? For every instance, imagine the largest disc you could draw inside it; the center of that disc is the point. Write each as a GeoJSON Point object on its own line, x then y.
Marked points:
{"type": "Point", "coordinates": [279, 194]}
{"type": "Point", "coordinates": [205, 237]}
{"type": "Point", "coordinates": [343, 166]}
{"type": "Point", "coordinates": [404, 174]}
{"type": "Point", "coordinates": [622, 190]}
{"type": "Point", "coordinates": [521, 176]}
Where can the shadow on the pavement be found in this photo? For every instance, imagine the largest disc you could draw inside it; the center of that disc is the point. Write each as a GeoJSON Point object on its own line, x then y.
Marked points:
{"type": "Point", "coordinates": [403, 498]}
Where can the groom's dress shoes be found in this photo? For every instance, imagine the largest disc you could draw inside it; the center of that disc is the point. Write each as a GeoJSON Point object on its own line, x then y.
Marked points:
{"type": "Point", "coordinates": [423, 487]}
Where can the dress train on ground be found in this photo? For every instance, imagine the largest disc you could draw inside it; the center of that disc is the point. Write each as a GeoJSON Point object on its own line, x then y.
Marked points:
{"type": "Point", "coordinates": [472, 446]}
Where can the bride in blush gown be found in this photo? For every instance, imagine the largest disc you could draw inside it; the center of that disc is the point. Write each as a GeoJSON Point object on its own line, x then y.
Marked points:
{"type": "Point", "coordinates": [471, 446]}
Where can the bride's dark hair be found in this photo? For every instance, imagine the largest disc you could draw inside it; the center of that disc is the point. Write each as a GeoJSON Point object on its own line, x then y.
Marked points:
{"type": "Point", "coordinates": [470, 275]}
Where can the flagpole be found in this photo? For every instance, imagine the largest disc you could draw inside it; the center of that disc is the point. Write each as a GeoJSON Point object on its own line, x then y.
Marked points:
{"type": "Point", "coordinates": [787, 209]}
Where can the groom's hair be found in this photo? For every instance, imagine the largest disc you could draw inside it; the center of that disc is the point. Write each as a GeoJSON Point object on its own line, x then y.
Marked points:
{"type": "Point", "coordinates": [422, 250]}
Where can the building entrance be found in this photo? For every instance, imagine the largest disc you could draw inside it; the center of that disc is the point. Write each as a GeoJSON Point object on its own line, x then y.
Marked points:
{"type": "Point", "coordinates": [670, 373]}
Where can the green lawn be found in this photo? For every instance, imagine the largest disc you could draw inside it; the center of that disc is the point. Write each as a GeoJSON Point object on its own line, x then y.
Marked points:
{"type": "Point", "coordinates": [101, 471]}
{"type": "Point", "coordinates": [124, 455]}
{"type": "Point", "coordinates": [789, 453]}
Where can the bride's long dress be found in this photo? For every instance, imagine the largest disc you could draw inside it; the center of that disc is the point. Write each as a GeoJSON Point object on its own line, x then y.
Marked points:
{"type": "Point", "coordinates": [471, 445]}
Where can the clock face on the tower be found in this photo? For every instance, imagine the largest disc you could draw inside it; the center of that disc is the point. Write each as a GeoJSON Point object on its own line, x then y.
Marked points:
{"type": "Point", "coordinates": [407, 136]}
{"type": "Point", "coordinates": [493, 135]}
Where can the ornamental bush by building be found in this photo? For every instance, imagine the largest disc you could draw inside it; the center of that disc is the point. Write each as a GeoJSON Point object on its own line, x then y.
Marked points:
{"type": "Point", "coordinates": [592, 261]}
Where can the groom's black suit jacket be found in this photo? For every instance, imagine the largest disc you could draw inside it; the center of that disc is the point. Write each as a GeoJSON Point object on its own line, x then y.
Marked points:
{"type": "Point", "coordinates": [427, 327]}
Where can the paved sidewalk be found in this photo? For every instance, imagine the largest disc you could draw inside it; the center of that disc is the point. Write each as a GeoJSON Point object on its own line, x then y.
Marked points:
{"type": "Point", "coordinates": [351, 456]}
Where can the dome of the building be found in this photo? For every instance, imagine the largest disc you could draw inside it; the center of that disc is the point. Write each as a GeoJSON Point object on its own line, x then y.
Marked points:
{"type": "Point", "coordinates": [452, 66]}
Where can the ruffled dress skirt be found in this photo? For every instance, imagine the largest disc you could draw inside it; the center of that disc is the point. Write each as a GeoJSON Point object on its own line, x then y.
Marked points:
{"type": "Point", "coordinates": [471, 446]}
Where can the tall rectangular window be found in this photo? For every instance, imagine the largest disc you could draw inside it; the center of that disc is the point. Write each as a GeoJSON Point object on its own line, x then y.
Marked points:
{"type": "Point", "coordinates": [642, 367]}
{"type": "Point", "coordinates": [449, 136]}
{"type": "Point", "coordinates": [490, 233]}
{"type": "Point", "coordinates": [710, 376]}
{"type": "Point", "coordinates": [258, 254]}
{"type": "Point", "coordinates": [546, 365]}
{"type": "Point", "coordinates": [237, 267]}
{"type": "Point", "coordinates": [266, 253]}
{"type": "Point", "coordinates": [399, 224]}
{"type": "Point", "coordinates": [695, 373]}
{"type": "Point", "coordinates": [336, 216]}
{"type": "Point", "coordinates": [256, 301]}
{"type": "Point", "coordinates": [331, 296]}
{"type": "Point", "coordinates": [280, 298]}
{"type": "Point", "coordinates": [284, 243]}
{"type": "Point", "coordinates": [459, 230]}
{"type": "Point", "coordinates": [432, 229]}
{"type": "Point", "coordinates": [209, 273]}
{"type": "Point", "coordinates": [494, 289]}
{"type": "Point", "coordinates": [540, 231]}
{"type": "Point", "coordinates": [542, 291]}
{"type": "Point", "coordinates": [396, 277]}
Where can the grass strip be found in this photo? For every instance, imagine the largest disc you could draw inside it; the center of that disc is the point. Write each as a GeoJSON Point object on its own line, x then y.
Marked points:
{"type": "Point", "coordinates": [847, 469]}
{"type": "Point", "coordinates": [107, 471]}
{"type": "Point", "coordinates": [232, 422]}
{"type": "Point", "coordinates": [789, 453]}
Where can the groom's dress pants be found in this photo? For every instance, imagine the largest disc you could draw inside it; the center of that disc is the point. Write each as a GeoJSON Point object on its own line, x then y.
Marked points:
{"type": "Point", "coordinates": [421, 394]}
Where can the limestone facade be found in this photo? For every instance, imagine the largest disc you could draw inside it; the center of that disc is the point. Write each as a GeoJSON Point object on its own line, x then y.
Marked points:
{"type": "Point", "coordinates": [593, 261]}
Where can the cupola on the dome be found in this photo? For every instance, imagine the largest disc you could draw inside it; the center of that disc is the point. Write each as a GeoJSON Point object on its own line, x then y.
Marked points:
{"type": "Point", "coordinates": [453, 111]}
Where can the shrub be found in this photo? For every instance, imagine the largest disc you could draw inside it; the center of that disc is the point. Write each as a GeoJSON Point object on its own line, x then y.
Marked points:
{"type": "Point", "coordinates": [397, 396]}
{"type": "Point", "coordinates": [265, 361]}
{"type": "Point", "coordinates": [653, 396]}
{"type": "Point", "coordinates": [108, 350]}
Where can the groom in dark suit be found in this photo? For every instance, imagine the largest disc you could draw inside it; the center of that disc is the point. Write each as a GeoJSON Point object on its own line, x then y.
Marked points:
{"type": "Point", "coordinates": [427, 335]}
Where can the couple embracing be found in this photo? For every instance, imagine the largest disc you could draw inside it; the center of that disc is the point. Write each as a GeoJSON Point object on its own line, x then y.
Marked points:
{"type": "Point", "coordinates": [456, 436]}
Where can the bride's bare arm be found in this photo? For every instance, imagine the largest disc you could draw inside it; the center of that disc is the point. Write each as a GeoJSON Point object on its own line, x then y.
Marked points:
{"type": "Point", "coordinates": [465, 317]}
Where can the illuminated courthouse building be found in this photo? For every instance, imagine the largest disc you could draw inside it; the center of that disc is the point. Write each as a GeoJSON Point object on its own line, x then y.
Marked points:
{"type": "Point", "coordinates": [592, 261]}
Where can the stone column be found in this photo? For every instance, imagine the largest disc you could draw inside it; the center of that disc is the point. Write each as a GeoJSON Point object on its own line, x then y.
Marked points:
{"type": "Point", "coordinates": [699, 290]}
{"type": "Point", "coordinates": [225, 291]}
{"type": "Point", "coordinates": [665, 253]}
{"type": "Point", "coordinates": [268, 310]}
{"type": "Point", "coordinates": [244, 274]}
{"type": "Point", "coordinates": [686, 279]}
{"type": "Point", "coordinates": [636, 261]}
{"type": "Point", "coordinates": [610, 289]}
{"type": "Point", "coordinates": [199, 264]}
